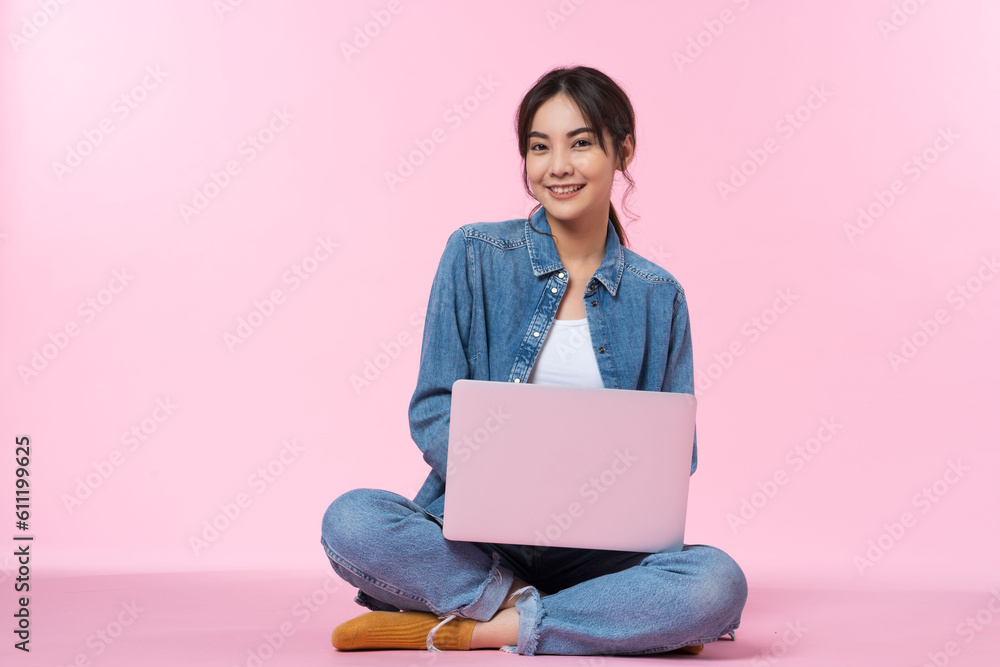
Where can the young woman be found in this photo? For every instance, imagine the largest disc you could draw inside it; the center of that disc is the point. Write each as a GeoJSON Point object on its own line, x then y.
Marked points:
{"type": "Point", "coordinates": [504, 303]}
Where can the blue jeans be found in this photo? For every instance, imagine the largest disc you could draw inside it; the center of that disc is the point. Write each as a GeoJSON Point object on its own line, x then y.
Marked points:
{"type": "Point", "coordinates": [598, 601]}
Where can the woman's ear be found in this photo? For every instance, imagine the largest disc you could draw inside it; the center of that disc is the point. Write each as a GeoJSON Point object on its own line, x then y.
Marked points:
{"type": "Point", "coordinates": [628, 149]}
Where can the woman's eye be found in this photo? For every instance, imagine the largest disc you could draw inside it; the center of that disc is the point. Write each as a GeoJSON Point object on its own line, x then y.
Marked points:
{"type": "Point", "coordinates": [584, 142]}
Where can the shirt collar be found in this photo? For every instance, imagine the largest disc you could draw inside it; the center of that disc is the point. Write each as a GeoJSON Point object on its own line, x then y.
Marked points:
{"type": "Point", "coordinates": [545, 257]}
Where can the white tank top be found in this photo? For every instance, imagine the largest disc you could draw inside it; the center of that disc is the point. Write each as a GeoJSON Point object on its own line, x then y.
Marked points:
{"type": "Point", "coordinates": [567, 357]}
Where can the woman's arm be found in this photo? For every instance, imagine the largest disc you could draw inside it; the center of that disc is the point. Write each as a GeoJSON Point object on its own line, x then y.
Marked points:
{"type": "Point", "coordinates": [679, 377]}
{"type": "Point", "coordinates": [444, 353]}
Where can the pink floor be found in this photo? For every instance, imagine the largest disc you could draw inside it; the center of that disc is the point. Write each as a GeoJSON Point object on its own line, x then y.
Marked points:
{"type": "Point", "coordinates": [227, 618]}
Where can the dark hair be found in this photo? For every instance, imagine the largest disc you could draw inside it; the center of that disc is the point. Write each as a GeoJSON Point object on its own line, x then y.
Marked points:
{"type": "Point", "coordinates": [603, 104]}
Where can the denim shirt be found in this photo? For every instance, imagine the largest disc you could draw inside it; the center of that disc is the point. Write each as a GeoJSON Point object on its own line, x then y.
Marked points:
{"type": "Point", "coordinates": [493, 299]}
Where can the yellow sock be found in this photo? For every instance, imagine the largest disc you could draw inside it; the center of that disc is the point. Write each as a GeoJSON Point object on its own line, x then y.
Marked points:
{"type": "Point", "coordinates": [402, 629]}
{"type": "Point", "coordinates": [694, 650]}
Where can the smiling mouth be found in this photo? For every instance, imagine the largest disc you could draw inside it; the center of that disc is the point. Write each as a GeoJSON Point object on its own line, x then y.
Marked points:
{"type": "Point", "coordinates": [564, 189]}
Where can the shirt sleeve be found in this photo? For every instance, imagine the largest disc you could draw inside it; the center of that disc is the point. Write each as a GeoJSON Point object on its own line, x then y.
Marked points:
{"type": "Point", "coordinates": [679, 377]}
{"type": "Point", "coordinates": [444, 353]}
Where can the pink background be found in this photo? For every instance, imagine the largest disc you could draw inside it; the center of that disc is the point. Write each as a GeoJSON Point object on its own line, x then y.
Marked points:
{"type": "Point", "coordinates": [322, 174]}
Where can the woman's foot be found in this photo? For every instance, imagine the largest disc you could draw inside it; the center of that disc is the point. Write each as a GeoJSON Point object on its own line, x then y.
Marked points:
{"type": "Point", "coordinates": [501, 630]}
{"type": "Point", "coordinates": [402, 629]}
{"type": "Point", "coordinates": [409, 629]}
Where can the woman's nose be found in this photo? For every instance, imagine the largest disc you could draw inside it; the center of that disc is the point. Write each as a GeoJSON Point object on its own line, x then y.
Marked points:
{"type": "Point", "coordinates": [561, 164]}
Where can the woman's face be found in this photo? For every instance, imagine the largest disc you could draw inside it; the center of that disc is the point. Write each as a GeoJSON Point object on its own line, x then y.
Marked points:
{"type": "Point", "coordinates": [562, 151]}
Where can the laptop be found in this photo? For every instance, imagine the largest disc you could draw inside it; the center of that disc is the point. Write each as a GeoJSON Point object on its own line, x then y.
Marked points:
{"type": "Point", "coordinates": [557, 466]}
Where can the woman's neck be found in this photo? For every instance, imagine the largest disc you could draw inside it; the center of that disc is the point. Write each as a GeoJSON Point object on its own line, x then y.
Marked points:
{"type": "Point", "coordinates": [580, 245]}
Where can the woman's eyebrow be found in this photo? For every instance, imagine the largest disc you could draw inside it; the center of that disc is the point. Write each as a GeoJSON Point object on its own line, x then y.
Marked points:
{"type": "Point", "coordinates": [570, 134]}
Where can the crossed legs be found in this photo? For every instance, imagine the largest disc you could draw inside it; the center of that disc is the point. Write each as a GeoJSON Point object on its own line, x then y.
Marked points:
{"type": "Point", "coordinates": [605, 602]}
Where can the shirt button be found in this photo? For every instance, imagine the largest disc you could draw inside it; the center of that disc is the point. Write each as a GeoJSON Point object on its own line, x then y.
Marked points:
{"type": "Point", "coordinates": [601, 350]}
{"type": "Point", "coordinates": [593, 303]}
{"type": "Point", "coordinates": [517, 379]}
{"type": "Point", "coordinates": [554, 289]}
{"type": "Point", "coordinates": [562, 275]}
{"type": "Point", "coordinates": [536, 334]}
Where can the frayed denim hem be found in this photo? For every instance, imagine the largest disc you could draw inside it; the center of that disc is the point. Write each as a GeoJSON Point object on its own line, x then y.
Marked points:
{"type": "Point", "coordinates": [529, 606]}
{"type": "Point", "coordinates": [491, 596]}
